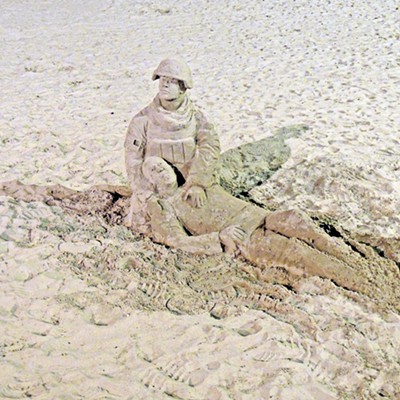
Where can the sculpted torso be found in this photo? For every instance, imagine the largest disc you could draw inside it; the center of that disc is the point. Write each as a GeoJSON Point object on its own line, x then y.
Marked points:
{"type": "Point", "coordinates": [220, 211]}
{"type": "Point", "coordinates": [175, 130]}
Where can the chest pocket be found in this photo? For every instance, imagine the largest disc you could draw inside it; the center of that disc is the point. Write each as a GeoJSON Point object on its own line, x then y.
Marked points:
{"type": "Point", "coordinates": [174, 151]}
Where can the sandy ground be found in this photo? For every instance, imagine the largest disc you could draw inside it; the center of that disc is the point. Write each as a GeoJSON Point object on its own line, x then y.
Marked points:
{"type": "Point", "coordinates": [91, 311]}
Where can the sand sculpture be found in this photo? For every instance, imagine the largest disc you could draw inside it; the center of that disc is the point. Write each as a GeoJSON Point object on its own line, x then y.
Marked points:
{"type": "Point", "coordinates": [172, 157]}
{"type": "Point", "coordinates": [183, 203]}
{"type": "Point", "coordinates": [288, 239]}
{"type": "Point", "coordinates": [173, 128]}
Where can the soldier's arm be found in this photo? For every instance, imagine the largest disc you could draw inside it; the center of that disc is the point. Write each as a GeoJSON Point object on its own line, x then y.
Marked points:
{"type": "Point", "coordinates": [204, 169]}
{"type": "Point", "coordinates": [167, 229]}
{"type": "Point", "coordinates": [135, 144]}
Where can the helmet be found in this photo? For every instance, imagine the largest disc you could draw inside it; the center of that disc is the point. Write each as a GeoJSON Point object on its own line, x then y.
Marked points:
{"type": "Point", "coordinates": [174, 68]}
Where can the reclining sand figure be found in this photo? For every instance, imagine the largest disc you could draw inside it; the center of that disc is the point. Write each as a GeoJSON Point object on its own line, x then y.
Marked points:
{"type": "Point", "coordinates": [287, 239]}
{"type": "Point", "coordinates": [173, 128]}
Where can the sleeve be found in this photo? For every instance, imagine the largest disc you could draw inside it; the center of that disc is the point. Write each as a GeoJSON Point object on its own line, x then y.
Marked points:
{"type": "Point", "coordinates": [135, 144]}
{"type": "Point", "coordinates": [167, 229]}
{"type": "Point", "coordinates": [204, 169]}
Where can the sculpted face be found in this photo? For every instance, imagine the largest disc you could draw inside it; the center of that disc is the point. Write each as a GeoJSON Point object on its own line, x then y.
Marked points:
{"type": "Point", "coordinates": [160, 175]}
{"type": "Point", "coordinates": [169, 88]}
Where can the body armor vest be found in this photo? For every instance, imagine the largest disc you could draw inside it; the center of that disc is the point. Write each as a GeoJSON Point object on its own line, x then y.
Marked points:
{"type": "Point", "coordinates": [176, 147]}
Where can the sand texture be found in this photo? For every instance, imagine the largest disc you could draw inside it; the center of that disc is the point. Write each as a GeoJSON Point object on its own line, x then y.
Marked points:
{"type": "Point", "coordinates": [89, 310]}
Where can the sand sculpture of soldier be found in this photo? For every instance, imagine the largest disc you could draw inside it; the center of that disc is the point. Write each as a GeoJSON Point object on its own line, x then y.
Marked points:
{"type": "Point", "coordinates": [170, 140]}
{"type": "Point", "coordinates": [224, 223]}
{"type": "Point", "coordinates": [172, 128]}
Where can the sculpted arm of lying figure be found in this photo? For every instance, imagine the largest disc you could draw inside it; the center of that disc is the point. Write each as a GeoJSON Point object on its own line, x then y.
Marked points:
{"type": "Point", "coordinates": [167, 229]}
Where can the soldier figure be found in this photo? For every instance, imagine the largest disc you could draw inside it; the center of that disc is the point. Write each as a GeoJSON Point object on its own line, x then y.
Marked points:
{"type": "Point", "coordinates": [287, 239]}
{"type": "Point", "coordinates": [172, 156]}
{"type": "Point", "coordinates": [175, 130]}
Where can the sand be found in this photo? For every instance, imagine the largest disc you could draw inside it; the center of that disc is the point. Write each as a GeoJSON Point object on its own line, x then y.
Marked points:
{"type": "Point", "coordinates": [89, 310]}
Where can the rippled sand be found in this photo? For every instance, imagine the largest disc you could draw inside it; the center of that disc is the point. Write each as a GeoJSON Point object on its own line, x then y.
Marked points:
{"type": "Point", "coordinates": [89, 310]}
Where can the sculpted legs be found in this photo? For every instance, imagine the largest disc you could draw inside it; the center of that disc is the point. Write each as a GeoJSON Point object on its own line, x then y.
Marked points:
{"type": "Point", "coordinates": [267, 248]}
{"type": "Point", "coordinates": [297, 224]}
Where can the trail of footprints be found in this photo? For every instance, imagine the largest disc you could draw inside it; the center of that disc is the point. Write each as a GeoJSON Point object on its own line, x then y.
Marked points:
{"type": "Point", "coordinates": [184, 287]}
{"type": "Point", "coordinates": [175, 376]}
{"type": "Point", "coordinates": [292, 349]}
{"type": "Point", "coordinates": [167, 290]}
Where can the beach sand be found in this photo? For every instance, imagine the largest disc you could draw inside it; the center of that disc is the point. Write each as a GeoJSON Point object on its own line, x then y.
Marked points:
{"type": "Point", "coordinates": [90, 310]}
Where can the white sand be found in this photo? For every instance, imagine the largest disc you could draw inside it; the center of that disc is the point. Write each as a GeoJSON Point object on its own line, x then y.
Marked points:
{"type": "Point", "coordinates": [72, 76]}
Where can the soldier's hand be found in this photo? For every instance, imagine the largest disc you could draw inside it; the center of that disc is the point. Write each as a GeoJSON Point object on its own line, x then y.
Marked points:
{"type": "Point", "coordinates": [235, 232]}
{"type": "Point", "coordinates": [195, 196]}
{"type": "Point", "coordinates": [153, 205]}
{"type": "Point", "coordinates": [232, 236]}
